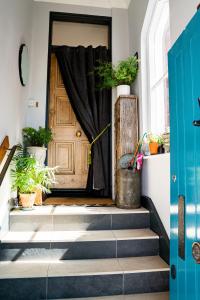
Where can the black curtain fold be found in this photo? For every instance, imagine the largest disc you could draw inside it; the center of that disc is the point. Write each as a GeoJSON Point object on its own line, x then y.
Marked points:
{"type": "Point", "coordinates": [92, 107]}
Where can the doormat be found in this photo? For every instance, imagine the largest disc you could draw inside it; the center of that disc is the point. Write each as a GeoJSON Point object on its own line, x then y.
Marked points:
{"type": "Point", "coordinates": [89, 202]}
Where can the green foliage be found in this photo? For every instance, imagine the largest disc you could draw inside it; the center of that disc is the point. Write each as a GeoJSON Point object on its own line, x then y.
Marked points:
{"type": "Point", "coordinates": [39, 138]}
{"type": "Point", "coordinates": [106, 75]}
{"type": "Point", "coordinates": [28, 175]}
{"type": "Point", "coordinates": [154, 138]}
{"type": "Point", "coordinates": [124, 73]}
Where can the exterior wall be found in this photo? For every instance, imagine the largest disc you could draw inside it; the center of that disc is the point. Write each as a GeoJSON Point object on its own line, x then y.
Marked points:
{"type": "Point", "coordinates": [15, 29]}
{"type": "Point", "coordinates": [181, 13]}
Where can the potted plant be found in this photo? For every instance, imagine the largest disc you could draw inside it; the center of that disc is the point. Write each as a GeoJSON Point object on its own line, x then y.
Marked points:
{"type": "Point", "coordinates": [30, 179]}
{"type": "Point", "coordinates": [23, 179]}
{"type": "Point", "coordinates": [125, 74]}
{"type": "Point", "coordinates": [120, 76]}
{"type": "Point", "coordinates": [154, 142]}
{"type": "Point", "coordinates": [36, 140]}
{"type": "Point", "coordinates": [44, 177]}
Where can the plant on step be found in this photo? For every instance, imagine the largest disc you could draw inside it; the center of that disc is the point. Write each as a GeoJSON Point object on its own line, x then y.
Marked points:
{"type": "Point", "coordinates": [29, 177]}
{"type": "Point", "coordinates": [38, 138]}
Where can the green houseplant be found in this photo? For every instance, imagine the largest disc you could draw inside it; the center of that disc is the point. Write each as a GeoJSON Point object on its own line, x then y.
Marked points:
{"type": "Point", "coordinates": [121, 76]}
{"type": "Point", "coordinates": [23, 179]}
{"type": "Point", "coordinates": [154, 142]}
{"type": "Point", "coordinates": [30, 179]}
{"type": "Point", "coordinates": [35, 141]}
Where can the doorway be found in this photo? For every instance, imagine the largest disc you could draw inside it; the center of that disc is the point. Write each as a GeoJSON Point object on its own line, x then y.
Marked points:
{"type": "Point", "coordinates": [70, 146]}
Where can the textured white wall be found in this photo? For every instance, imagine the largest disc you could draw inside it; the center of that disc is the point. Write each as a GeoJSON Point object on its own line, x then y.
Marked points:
{"type": "Point", "coordinates": [15, 29]}
{"type": "Point", "coordinates": [156, 185]}
{"type": "Point", "coordinates": [181, 11]}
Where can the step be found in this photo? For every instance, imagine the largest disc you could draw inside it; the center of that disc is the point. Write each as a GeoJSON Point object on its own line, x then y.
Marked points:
{"type": "Point", "coordinates": [147, 296]}
{"type": "Point", "coordinates": [63, 245]}
{"type": "Point", "coordinates": [83, 278]}
{"type": "Point", "coordinates": [63, 218]}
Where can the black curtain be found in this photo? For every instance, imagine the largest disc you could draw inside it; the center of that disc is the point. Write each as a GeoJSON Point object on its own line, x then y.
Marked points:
{"type": "Point", "coordinates": [91, 106]}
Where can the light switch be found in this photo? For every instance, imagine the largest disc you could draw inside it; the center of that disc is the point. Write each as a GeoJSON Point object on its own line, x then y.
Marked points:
{"type": "Point", "coordinates": [33, 103]}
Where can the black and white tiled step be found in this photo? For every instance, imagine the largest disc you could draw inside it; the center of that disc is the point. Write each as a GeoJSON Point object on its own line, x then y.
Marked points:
{"type": "Point", "coordinates": [147, 296]}
{"type": "Point", "coordinates": [63, 218]}
{"type": "Point", "coordinates": [64, 245]}
{"type": "Point", "coordinates": [82, 278]}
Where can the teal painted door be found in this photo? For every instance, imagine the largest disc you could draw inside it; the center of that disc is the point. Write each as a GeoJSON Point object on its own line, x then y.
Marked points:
{"type": "Point", "coordinates": [184, 81]}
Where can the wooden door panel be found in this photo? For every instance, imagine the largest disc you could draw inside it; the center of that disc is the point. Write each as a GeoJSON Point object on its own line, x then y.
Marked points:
{"type": "Point", "coordinates": [64, 157]}
{"type": "Point", "coordinates": [68, 151]}
{"type": "Point", "coordinates": [64, 113]}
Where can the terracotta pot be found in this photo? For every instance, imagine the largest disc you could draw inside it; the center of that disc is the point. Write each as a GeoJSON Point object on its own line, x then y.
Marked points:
{"type": "Point", "coordinates": [27, 200]}
{"type": "Point", "coordinates": [153, 147]}
{"type": "Point", "coordinates": [38, 197]}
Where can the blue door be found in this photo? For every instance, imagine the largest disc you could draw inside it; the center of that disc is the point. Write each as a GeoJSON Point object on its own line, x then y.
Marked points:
{"type": "Point", "coordinates": [184, 80]}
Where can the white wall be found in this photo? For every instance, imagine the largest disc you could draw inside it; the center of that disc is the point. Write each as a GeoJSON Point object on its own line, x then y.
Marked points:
{"type": "Point", "coordinates": [156, 184]}
{"type": "Point", "coordinates": [155, 172]}
{"type": "Point", "coordinates": [15, 29]}
{"type": "Point", "coordinates": [181, 12]}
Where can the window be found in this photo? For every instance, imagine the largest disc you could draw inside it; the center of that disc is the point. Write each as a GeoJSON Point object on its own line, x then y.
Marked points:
{"type": "Point", "coordinates": [157, 43]}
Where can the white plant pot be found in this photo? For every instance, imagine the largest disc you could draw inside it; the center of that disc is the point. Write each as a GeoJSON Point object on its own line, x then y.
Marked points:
{"type": "Point", "coordinates": [123, 90]}
{"type": "Point", "coordinates": [39, 153]}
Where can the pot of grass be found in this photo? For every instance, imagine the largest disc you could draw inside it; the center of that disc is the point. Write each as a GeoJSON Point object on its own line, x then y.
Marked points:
{"type": "Point", "coordinates": [23, 179]}
{"type": "Point", "coordinates": [36, 141]}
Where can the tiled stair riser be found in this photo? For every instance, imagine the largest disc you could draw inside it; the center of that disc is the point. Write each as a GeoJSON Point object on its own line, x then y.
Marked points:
{"type": "Point", "coordinates": [78, 250]}
{"type": "Point", "coordinates": [83, 286]}
{"type": "Point", "coordinates": [78, 222]}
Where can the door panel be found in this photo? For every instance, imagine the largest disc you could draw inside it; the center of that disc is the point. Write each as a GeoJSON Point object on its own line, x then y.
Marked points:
{"type": "Point", "coordinates": [69, 148]}
{"type": "Point", "coordinates": [184, 78]}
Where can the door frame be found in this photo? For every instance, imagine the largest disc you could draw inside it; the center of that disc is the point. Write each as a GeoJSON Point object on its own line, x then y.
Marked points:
{"type": "Point", "coordinates": [76, 18]}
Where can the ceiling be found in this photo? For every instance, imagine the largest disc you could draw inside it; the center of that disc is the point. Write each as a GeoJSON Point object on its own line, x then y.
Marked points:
{"type": "Point", "coordinates": [93, 3]}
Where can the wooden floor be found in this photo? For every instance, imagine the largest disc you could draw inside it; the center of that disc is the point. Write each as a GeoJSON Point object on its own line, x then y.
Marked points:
{"type": "Point", "coordinates": [78, 201]}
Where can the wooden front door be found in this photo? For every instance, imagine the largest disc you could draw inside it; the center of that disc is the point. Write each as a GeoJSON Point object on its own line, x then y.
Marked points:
{"type": "Point", "coordinates": [69, 148]}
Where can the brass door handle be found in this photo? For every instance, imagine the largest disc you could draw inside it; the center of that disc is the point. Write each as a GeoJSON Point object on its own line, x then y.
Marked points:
{"type": "Point", "coordinates": [78, 133]}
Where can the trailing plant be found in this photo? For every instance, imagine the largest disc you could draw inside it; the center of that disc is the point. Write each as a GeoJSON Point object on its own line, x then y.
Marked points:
{"type": "Point", "coordinates": [123, 73]}
{"type": "Point", "coordinates": [106, 75]}
{"type": "Point", "coordinates": [39, 138]}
